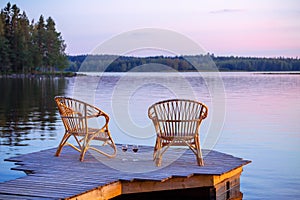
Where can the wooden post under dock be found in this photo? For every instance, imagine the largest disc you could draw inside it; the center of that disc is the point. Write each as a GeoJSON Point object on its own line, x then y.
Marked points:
{"type": "Point", "coordinates": [137, 177]}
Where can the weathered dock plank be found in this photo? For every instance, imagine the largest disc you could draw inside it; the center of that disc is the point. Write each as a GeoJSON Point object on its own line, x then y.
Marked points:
{"type": "Point", "coordinates": [99, 177]}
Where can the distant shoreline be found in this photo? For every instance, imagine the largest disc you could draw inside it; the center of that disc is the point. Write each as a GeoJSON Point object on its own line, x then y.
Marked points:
{"type": "Point", "coordinates": [74, 74]}
{"type": "Point", "coordinates": [171, 73]}
{"type": "Point", "coordinates": [279, 73]}
{"type": "Point", "coordinates": [207, 62]}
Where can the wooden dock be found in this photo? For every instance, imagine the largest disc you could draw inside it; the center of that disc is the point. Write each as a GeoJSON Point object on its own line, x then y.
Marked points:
{"type": "Point", "coordinates": [98, 177]}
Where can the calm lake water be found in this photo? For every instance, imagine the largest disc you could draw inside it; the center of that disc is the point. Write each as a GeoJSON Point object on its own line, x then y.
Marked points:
{"type": "Point", "coordinates": [258, 117]}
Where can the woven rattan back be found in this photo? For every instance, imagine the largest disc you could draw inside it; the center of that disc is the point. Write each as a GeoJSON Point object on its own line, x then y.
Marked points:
{"type": "Point", "coordinates": [73, 114]}
{"type": "Point", "coordinates": [177, 117]}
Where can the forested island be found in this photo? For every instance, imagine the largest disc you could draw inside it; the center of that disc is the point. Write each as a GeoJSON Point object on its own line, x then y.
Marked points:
{"type": "Point", "coordinates": [29, 47]}
{"type": "Point", "coordinates": [207, 62]}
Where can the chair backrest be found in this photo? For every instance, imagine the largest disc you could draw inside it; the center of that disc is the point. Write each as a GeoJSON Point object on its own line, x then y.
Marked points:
{"type": "Point", "coordinates": [74, 113]}
{"type": "Point", "coordinates": [177, 117]}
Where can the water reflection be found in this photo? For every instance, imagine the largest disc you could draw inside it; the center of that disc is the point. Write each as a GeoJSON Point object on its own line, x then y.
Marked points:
{"type": "Point", "coordinates": [27, 109]}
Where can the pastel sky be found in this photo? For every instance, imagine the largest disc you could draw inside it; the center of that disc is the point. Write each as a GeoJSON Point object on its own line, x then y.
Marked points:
{"type": "Point", "coordinates": [265, 28]}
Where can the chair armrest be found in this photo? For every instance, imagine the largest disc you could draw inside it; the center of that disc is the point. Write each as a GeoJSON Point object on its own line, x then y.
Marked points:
{"type": "Point", "coordinates": [94, 112]}
{"type": "Point", "coordinates": [151, 113]}
{"type": "Point", "coordinates": [205, 112]}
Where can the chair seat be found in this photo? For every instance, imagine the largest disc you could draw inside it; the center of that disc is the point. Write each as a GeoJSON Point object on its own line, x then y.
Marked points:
{"type": "Point", "coordinates": [177, 138]}
{"type": "Point", "coordinates": [100, 134]}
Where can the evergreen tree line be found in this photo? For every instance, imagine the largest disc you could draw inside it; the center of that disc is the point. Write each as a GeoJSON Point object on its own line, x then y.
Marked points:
{"type": "Point", "coordinates": [29, 47]}
{"type": "Point", "coordinates": [112, 63]}
{"type": "Point", "coordinates": [257, 64]}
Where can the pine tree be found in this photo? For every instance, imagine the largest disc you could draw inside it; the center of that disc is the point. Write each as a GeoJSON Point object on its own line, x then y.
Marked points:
{"type": "Point", "coordinates": [4, 48]}
{"type": "Point", "coordinates": [15, 44]}
{"type": "Point", "coordinates": [39, 42]}
{"type": "Point", "coordinates": [24, 39]}
{"type": "Point", "coordinates": [54, 46]}
{"type": "Point", "coordinates": [25, 47]}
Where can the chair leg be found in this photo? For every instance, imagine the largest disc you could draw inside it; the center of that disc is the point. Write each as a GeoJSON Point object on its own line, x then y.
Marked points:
{"type": "Point", "coordinates": [109, 141]}
{"type": "Point", "coordinates": [199, 152]}
{"type": "Point", "coordinates": [109, 155]}
{"type": "Point", "coordinates": [62, 144]}
{"type": "Point", "coordinates": [155, 149]}
{"type": "Point", "coordinates": [157, 155]}
{"type": "Point", "coordinates": [84, 148]}
{"type": "Point", "coordinates": [158, 161]}
{"type": "Point", "coordinates": [82, 154]}
{"type": "Point", "coordinates": [112, 144]}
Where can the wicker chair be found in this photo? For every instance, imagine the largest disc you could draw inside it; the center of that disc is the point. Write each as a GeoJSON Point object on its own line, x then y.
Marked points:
{"type": "Point", "coordinates": [75, 116]}
{"type": "Point", "coordinates": [177, 123]}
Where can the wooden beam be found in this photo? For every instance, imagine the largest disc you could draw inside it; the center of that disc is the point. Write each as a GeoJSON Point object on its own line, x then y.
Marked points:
{"type": "Point", "coordinates": [218, 179]}
{"type": "Point", "coordinates": [178, 182]}
{"type": "Point", "coordinates": [170, 184]}
{"type": "Point", "coordinates": [102, 193]}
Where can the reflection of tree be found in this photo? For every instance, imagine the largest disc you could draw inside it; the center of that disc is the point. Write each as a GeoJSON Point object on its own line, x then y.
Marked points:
{"type": "Point", "coordinates": [27, 106]}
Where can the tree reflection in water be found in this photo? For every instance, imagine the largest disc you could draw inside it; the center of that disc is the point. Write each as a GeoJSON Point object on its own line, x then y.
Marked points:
{"type": "Point", "coordinates": [27, 109]}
